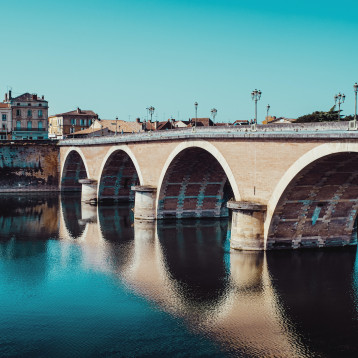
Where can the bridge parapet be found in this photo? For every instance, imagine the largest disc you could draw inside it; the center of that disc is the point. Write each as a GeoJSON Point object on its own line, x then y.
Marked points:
{"type": "Point", "coordinates": [334, 130]}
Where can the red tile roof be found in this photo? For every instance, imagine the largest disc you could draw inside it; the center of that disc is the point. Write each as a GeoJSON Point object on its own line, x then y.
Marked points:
{"type": "Point", "coordinates": [202, 122]}
{"type": "Point", "coordinates": [28, 97]}
{"type": "Point", "coordinates": [77, 112]}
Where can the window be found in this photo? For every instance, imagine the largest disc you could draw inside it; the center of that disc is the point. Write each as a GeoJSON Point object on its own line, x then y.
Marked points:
{"type": "Point", "coordinates": [18, 104]}
{"type": "Point", "coordinates": [40, 105]}
{"type": "Point", "coordinates": [29, 125]}
{"type": "Point", "coordinates": [18, 112]}
{"type": "Point", "coordinates": [39, 113]}
{"type": "Point", "coordinates": [40, 125]}
{"type": "Point", "coordinates": [73, 121]}
{"type": "Point", "coordinates": [85, 122]}
{"type": "Point", "coordinates": [3, 127]}
{"type": "Point", "coordinates": [18, 125]}
{"type": "Point", "coordinates": [3, 117]}
{"type": "Point", "coordinates": [29, 104]}
{"type": "Point", "coordinates": [29, 113]}
{"type": "Point", "coordinates": [81, 122]}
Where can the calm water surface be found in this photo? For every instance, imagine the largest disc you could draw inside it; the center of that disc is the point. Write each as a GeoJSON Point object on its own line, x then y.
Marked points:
{"type": "Point", "coordinates": [91, 282]}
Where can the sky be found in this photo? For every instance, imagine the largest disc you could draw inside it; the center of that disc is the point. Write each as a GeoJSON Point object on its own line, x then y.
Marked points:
{"type": "Point", "coordinates": [118, 57]}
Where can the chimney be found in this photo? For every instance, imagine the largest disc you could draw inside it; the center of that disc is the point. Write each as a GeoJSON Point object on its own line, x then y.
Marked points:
{"type": "Point", "coordinates": [5, 97]}
{"type": "Point", "coordinates": [42, 97]}
{"type": "Point", "coordinates": [137, 120]}
{"type": "Point", "coordinates": [78, 110]}
{"type": "Point", "coordinates": [10, 97]}
{"type": "Point", "coordinates": [34, 97]}
{"type": "Point", "coordinates": [156, 125]}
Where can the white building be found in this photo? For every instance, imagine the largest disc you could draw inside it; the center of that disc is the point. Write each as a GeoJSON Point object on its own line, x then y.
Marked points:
{"type": "Point", "coordinates": [5, 120]}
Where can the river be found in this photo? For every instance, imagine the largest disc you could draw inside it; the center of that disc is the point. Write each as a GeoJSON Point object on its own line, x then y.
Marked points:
{"type": "Point", "coordinates": [92, 282]}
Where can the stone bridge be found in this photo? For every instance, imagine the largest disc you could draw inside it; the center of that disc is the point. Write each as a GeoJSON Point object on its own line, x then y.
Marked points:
{"type": "Point", "coordinates": [291, 186]}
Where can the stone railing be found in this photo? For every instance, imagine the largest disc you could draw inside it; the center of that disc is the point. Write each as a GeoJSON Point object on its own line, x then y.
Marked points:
{"type": "Point", "coordinates": [299, 130]}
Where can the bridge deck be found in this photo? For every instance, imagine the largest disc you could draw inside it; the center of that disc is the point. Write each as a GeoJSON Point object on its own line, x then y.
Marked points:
{"type": "Point", "coordinates": [324, 130]}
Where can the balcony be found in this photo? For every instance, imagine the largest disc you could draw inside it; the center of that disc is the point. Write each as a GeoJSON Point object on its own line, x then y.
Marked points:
{"type": "Point", "coordinates": [30, 129]}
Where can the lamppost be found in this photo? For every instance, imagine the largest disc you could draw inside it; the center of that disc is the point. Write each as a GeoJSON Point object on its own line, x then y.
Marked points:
{"type": "Point", "coordinates": [267, 117]}
{"type": "Point", "coordinates": [355, 86]}
{"type": "Point", "coordinates": [340, 99]}
{"type": "Point", "coordinates": [116, 124]}
{"type": "Point", "coordinates": [214, 111]}
{"type": "Point", "coordinates": [151, 110]}
{"type": "Point", "coordinates": [196, 112]}
{"type": "Point", "coordinates": [256, 95]}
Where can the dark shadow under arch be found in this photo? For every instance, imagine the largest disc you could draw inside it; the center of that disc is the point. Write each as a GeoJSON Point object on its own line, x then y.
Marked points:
{"type": "Point", "coordinates": [73, 170]}
{"type": "Point", "coordinates": [319, 206]}
{"type": "Point", "coordinates": [118, 176]}
{"type": "Point", "coordinates": [195, 185]}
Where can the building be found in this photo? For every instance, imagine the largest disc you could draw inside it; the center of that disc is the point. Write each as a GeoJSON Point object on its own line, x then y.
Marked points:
{"type": "Point", "coordinates": [279, 120]}
{"type": "Point", "coordinates": [105, 127]}
{"type": "Point", "coordinates": [6, 119]}
{"type": "Point", "coordinates": [29, 116]}
{"type": "Point", "coordinates": [201, 122]}
{"type": "Point", "coordinates": [241, 122]}
{"type": "Point", "coordinates": [63, 124]}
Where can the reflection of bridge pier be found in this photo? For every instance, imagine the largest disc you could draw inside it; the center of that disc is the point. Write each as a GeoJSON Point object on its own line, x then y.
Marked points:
{"type": "Point", "coordinates": [188, 277]}
{"type": "Point", "coordinates": [250, 317]}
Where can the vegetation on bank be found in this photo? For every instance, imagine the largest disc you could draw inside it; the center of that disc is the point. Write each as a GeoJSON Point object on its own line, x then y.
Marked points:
{"type": "Point", "coordinates": [320, 116]}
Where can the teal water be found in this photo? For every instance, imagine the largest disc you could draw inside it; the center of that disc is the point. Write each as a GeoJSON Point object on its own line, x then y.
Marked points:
{"type": "Point", "coordinates": [82, 281]}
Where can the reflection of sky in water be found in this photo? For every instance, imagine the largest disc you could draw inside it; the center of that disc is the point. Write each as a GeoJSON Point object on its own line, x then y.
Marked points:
{"type": "Point", "coordinates": [112, 286]}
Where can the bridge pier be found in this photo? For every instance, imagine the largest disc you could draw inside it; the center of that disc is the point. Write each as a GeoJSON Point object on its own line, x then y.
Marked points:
{"type": "Point", "coordinates": [247, 229]}
{"type": "Point", "coordinates": [89, 190]}
{"type": "Point", "coordinates": [144, 202]}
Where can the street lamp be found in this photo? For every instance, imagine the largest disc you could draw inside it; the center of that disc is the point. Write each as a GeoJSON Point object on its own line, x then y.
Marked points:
{"type": "Point", "coordinates": [267, 117]}
{"type": "Point", "coordinates": [340, 99]}
{"type": "Point", "coordinates": [214, 111]}
{"type": "Point", "coordinates": [151, 110]}
{"type": "Point", "coordinates": [196, 112]}
{"type": "Point", "coordinates": [355, 86]}
{"type": "Point", "coordinates": [256, 95]}
{"type": "Point", "coordinates": [116, 124]}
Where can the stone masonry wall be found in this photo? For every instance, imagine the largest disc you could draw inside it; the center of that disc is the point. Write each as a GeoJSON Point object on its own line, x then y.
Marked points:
{"type": "Point", "coordinates": [29, 166]}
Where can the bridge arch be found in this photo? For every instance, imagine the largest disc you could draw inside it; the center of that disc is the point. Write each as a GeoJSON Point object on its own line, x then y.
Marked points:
{"type": "Point", "coordinates": [195, 181]}
{"type": "Point", "coordinates": [315, 203]}
{"type": "Point", "coordinates": [119, 171]}
{"type": "Point", "coordinates": [74, 167]}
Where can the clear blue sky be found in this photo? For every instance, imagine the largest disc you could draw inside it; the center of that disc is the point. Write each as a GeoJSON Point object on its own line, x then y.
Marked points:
{"type": "Point", "coordinates": [119, 57]}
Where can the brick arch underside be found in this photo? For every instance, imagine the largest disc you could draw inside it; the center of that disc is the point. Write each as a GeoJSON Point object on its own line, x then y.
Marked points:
{"type": "Point", "coordinates": [319, 206]}
{"type": "Point", "coordinates": [73, 170]}
{"type": "Point", "coordinates": [195, 185]}
{"type": "Point", "coordinates": [118, 176]}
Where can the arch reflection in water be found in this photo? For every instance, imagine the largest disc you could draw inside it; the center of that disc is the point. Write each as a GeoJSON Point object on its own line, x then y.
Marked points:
{"type": "Point", "coordinates": [71, 215]}
{"type": "Point", "coordinates": [105, 233]}
{"type": "Point", "coordinates": [183, 268]}
{"type": "Point", "coordinates": [318, 292]}
{"type": "Point", "coordinates": [193, 253]}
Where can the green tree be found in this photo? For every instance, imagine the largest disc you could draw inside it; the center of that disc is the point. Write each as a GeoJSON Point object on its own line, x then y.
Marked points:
{"type": "Point", "coordinates": [320, 116]}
